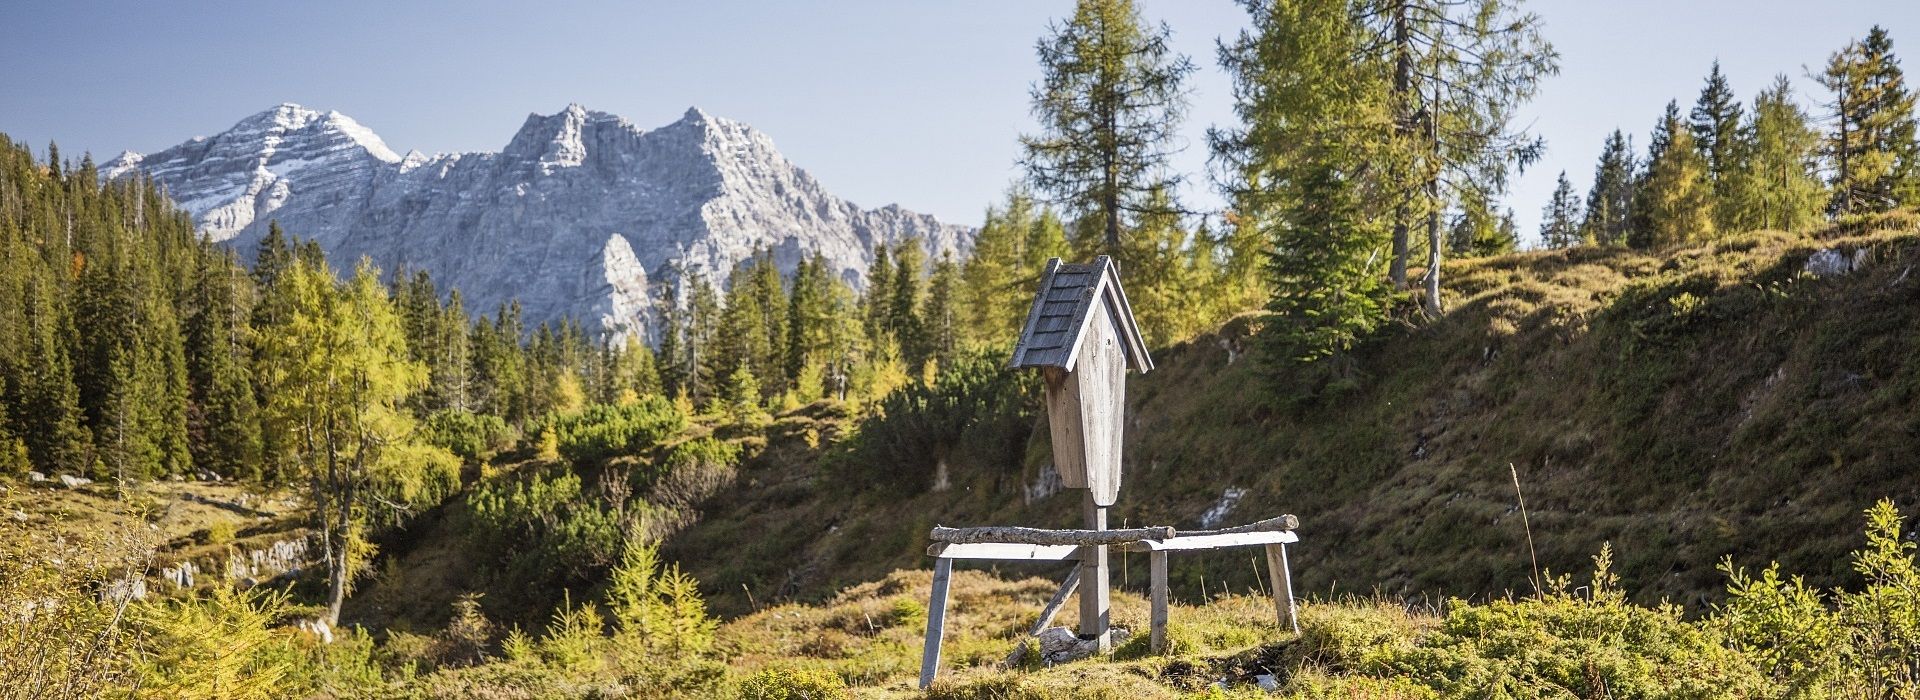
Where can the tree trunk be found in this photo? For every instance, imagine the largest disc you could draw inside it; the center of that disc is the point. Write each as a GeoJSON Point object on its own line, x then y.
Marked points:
{"type": "Point", "coordinates": [1403, 124]}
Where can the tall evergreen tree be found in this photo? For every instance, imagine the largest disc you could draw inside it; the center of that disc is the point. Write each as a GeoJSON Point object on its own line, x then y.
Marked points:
{"type": "Point", "coordinates": [1312, 116]}
{"type": "Point", "coordinates": [1715, 123]}
{"type": "Point", "coordinates": [903, 302]}
{"type": "Point", "coordinates": [1609, 215]}
{"type": "Point", "coordinates": [223, 421]}
{"type": "Point", "coordinates": [1872, 142]}
{"type": "Point", "coordinates": [1109, 102]}
{"type": "Point", "coordinates": [1560, 221]}
{"type": "Point", "coordinates": [939, 317]}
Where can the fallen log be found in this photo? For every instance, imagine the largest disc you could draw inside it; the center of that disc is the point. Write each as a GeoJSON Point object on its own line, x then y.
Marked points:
{"type": "Point", "coordinates": [1029, 535]}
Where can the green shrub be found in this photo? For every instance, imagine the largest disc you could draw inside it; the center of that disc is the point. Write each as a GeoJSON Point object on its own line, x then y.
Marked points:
{"type": "Point", "coordinates": [793, 684]}
{"type": "Point", "coordinates": [545, 528]}
{"type": "Point", "coordinates": [604, 430]}
{"type": "Point", "coordinates": [472, 436]}
{"type": "Point", "coordinates": [976, 404]}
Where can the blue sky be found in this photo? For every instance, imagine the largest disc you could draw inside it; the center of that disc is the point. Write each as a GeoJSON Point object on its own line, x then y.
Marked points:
{"type": "Point", "coordinates": [913, 102]}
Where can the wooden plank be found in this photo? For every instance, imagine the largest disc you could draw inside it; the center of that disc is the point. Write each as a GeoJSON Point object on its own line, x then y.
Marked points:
{"type": "Point", "coordinates": [1101, 373]}
{"type": "Point", "coordinates": [1282, 582]}
{"type": "Point", "coordinates": [1063, 424]}
{"type": "Point", "coordinates": [1029, 535]}
{"type": "Point", "coordinates": [1095, 605]}
{"type": "Point", "coordinates": [1011, 551]}
{"type": "Point", "coordinates": [1157, 589]}
{"type": "Point", "coordinates": [1238, 539]}
{"type": "Point", "coordinates": [936, 621]}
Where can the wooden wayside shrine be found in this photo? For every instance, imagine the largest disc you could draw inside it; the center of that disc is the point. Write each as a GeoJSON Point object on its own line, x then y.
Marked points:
{"type": "Point", "coordinates": [1082, 336]}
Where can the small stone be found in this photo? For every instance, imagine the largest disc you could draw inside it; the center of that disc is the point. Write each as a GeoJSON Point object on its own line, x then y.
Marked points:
{"type": "Point", "coordinates": [20, 515]}
{"type": "Point", "coordinates": [36, 477]}
{"type": "Point", "coordinates": [1267, 682]}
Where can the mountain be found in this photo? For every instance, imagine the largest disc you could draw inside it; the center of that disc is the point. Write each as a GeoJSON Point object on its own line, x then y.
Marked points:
{"type": "Point", "coordinates": [582, 214]}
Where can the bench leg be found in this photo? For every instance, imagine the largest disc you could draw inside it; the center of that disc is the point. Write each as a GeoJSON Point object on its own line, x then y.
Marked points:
{"type": "Point", "coordinates": [1157, 561]}
{"type": "Point", "coordinates": [936, 621]}
{"type": "Point", "coordinates": [1282, 579]}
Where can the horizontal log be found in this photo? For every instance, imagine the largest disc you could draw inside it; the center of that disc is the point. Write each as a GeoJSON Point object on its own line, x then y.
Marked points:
{"type": "Point", "coordinates": [1028, 535]}
{"type": "Point", "coordinates": [1284, 522]}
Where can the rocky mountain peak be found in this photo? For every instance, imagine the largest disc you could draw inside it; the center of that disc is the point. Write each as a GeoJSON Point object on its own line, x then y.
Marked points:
{"type": "Point", "coordinates": [581, 214]}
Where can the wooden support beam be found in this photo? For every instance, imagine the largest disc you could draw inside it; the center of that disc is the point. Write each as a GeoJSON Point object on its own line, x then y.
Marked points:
{"type": "Point", "coordinates": [1157, 589]}
{"type": "Point", "coordinates": [1282, 581]}
{"type": "Point", "coordinates": [1028, 535]}
{"type": "Point", "coordinates": [1046, 614]}
{"type": "Point", "coordinates": [936, 621]}
{"type": "Point", "coordinates": [1095, 605]}
{"type": "Point", "coordinates": [1240, 539]}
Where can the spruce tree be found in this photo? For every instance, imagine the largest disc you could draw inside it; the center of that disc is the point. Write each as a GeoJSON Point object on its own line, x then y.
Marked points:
{"type": "Point", "coordinates": [1313, 110]}
{"type": "Point", "coordinates": [1872, 142]}
{"type": "Point", "coordinates": [939, 317]}
{"type": "Point", "coordinates": [1716, 123]}
{"type": "Point", "coordinates": [903, 302]}
{"type": "Point", "coordinates": [1560, 220]}
{"type": "Point", "coordinates": [1609, 215]}
{"type": "Point", "coordinates": [1109, 102]}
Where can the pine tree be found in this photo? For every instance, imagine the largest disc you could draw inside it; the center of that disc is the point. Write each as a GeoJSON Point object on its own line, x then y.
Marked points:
{"type": "Point", "coordinates": [1715, 123]}
{"type": "Point", "coordinates": [1776, 185]}
{"type": "Point", "coordinates": [1109, 102]}
{"type": "Point", "coordinates": [1458, 70]}
{"type": "Point", "coordinates": [1312, 115]}
{"type": "Point", "coordinates": [938, 316]}
{"type": "Point", "coordinates": [903, 302]}
{"type": "Point", "coordinates": [1872, 144]}
{"type": "Point", "coordinates": [224, 422]}
{"type": "Point", "coordinates": [876, 305]}
{"type": "Point", "coordinates": [1675, 204]}
{"type": "Point", "coordinates": [1560, 221]}
{"type": "Point", "coordinates": [1609, 215]}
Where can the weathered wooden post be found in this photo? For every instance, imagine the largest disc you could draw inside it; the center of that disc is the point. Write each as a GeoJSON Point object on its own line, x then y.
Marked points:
{"type": "Point", "coordinates": [1082, 336]}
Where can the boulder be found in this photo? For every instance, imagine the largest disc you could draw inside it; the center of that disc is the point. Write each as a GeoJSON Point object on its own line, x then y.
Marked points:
{"type": "Point", "coordinates": [74, 482]}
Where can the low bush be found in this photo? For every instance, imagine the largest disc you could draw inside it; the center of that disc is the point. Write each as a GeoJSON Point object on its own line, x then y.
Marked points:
{"type": "Point", "coordinates": [793, 684]}
{"type": "Point", "coordinates": [604, 430]}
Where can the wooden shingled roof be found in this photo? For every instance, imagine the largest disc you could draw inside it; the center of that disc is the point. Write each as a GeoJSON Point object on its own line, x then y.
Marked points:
{"type": "Point", "coordinates": [1063, 308]}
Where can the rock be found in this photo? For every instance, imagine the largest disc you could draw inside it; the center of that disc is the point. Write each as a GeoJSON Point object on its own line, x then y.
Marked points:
{"type": "Point", "coordinates": [1830, 262]}
{"type": "Point", "coordinates": [1267, 682]}
{"type": "Point", "coordinates": [36, 477]}
{"type": "Point", "coordinates": [318, 628]}
{"type": "Point", "coordinates": [74, 482]}
{"type": "Point", "coordinates": [124, 589]}
{"type": "Point", "coordinates": [1220, 509]}
{"type": "Point", "coordinates": [1060, 645]}
{"type": "Point", "coordinates": [20, 515]}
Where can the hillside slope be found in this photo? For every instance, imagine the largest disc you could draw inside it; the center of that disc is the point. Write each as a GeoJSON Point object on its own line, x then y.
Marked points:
{"type": "Point", "coordinates": [1720, 401]}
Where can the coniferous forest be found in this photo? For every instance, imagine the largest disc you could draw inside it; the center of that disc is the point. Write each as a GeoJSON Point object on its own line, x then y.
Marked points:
{"type": "Point", "coordinates": [731, 503]}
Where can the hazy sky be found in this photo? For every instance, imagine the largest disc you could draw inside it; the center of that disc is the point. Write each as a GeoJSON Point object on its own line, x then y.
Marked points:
{"type": "Point", "coordinates": [914, 102]}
